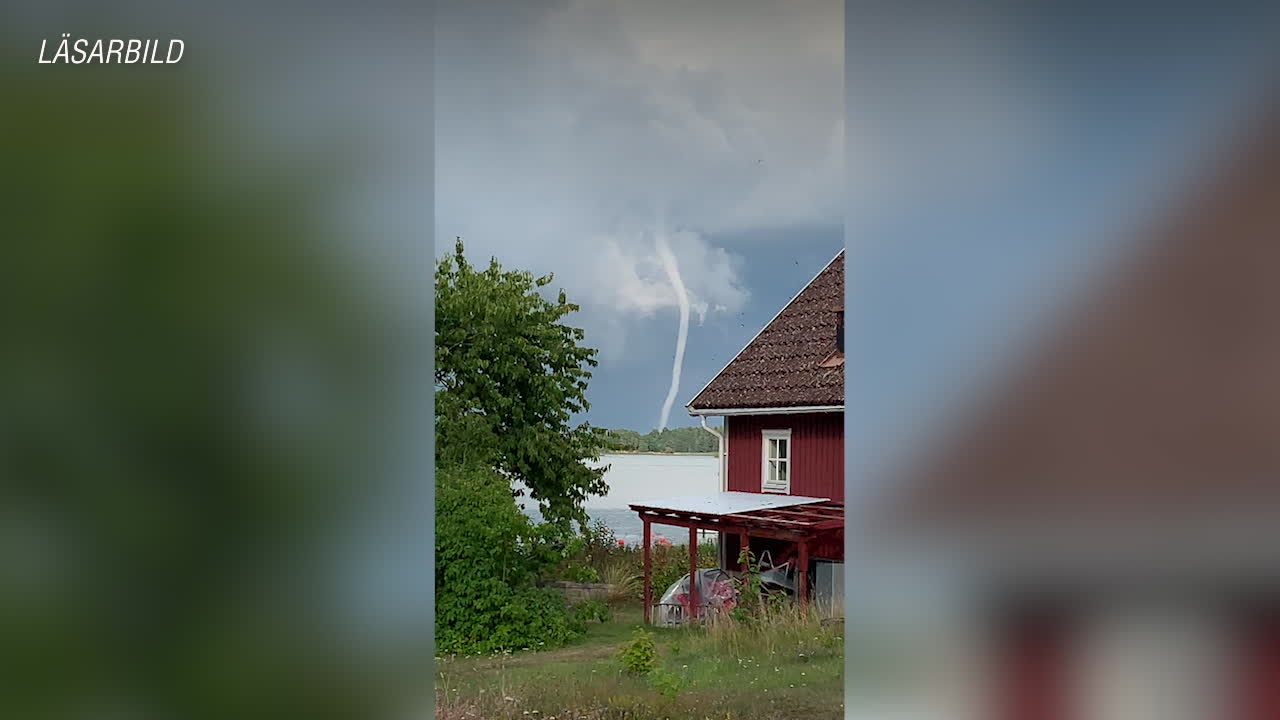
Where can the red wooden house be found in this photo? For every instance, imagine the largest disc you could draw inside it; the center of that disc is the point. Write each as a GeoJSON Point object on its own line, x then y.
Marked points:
{"type": "Point", "coordinates": [782, 447]}
{"type": "Point", "coordinates": [1119, 500]}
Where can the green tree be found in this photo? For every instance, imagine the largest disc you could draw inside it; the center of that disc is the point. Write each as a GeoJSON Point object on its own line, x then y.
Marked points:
{"type": "Point", "coordinates": [684, 439]}
{"type": "Point", "coordinates": [510, 376]}
{"type": "Point", "coordinates": [625, 440]}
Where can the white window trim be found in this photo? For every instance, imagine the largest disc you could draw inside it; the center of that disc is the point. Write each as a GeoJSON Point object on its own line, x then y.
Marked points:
{"type": "Point", "coordinates": [765, 437]}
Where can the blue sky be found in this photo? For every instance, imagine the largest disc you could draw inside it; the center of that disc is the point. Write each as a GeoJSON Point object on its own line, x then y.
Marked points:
{"type": "Point", "coordinates": [1021, 151]}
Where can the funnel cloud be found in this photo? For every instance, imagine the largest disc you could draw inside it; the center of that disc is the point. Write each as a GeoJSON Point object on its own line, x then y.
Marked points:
{"type": "Point", "coordinates": [682, 297]}
{"type": "Point", "coordinates": [568, 133]}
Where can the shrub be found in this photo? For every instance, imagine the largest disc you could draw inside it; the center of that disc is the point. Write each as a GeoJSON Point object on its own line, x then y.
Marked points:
{"type": "Point", "coordinates": [488, 557]}
{"type": "Point", "coordinates": [624, 585]}
{"type": "Point", "coordinates": [640, 655]}
{"type": "Point", "coordinates": [598, 541]}
{"type": "Point", "coordinates": [592, 611]}
{"type": "Point", "coordinates": [754, 603]}
{"type": "Point", "coordinates": [580, 574]}
{"type": "Point", "coordinates": [667, 683]}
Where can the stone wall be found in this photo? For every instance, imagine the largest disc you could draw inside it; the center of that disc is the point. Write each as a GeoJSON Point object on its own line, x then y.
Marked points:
{"type": "Point", "coordinates": [579, 592]}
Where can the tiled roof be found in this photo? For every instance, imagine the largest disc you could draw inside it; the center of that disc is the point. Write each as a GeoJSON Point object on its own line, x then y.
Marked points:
{"type": "Point", "coordinates": [1161, 391]}
{"type": "Point", "coordinates": [790, 363]}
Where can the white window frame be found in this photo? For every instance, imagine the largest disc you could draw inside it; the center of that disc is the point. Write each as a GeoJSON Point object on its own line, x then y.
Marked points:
{"type": "Point", "coordinates": [765, 437]}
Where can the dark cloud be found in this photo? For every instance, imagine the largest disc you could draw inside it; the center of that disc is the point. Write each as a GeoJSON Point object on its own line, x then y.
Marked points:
{"type": "Point", "coordinates": [569, 134]}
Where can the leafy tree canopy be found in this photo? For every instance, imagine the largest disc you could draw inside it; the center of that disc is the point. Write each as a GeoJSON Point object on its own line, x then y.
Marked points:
{"type": "Point", "coordinates": [510, 376]}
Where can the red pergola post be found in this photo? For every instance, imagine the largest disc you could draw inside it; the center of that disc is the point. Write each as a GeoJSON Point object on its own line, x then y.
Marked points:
{"type": "Point", "coordinates": [803, 562]}
{"type": "Point", "coordinates": [693, 572]}
{"type": "Point", "coordinates": [744, 544]}
{"type": "Point", "coordinates": [648, 591]}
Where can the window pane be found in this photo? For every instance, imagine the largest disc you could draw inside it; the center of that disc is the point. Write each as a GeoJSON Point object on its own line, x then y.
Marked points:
{"type": "Point", "coordinates": [782, 471]}
{"type": "Point", "coordinates": [773, 470]}
{"type": "Point", "coordinates": [782, 448]}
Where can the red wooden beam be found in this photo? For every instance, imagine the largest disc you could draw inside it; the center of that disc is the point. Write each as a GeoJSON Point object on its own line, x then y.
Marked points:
{"type": "Point", "coordinates": [809, 519]}
{"type": "Point", "coordinates": [755, 529]}
{"type": "Point", "coordinates": [690, 522]}
{"type": "Point", "coordinates": [805, 513]}
{"type": "Point", "coordinates": [803, 564]}
{"type": "Point", "coordinates": [693, 572]}
{"type": "Point", "coordinates": [648, 591]}
{"type": "Point", "coordinates": [816, 514]}
{"type": "Point", "coordinates": [765, 519]}
{"type": "Point", "coordinates": [805, 507]}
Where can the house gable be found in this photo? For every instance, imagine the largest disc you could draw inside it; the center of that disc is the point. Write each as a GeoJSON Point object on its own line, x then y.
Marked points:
{"type": "Point", "coordinates": [793, 362]}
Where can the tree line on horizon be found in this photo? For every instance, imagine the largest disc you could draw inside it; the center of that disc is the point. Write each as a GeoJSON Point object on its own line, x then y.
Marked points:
{"type": "Point", "coordinates": [669, 440]}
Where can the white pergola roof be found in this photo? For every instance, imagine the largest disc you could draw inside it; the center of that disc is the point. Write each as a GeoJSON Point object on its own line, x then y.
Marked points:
{"type": "Point", "coordinates": [727, 503]}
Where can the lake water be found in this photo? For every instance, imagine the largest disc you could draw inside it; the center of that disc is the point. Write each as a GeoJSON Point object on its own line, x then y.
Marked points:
{"type": "Point", "coordinates": [637, 478]}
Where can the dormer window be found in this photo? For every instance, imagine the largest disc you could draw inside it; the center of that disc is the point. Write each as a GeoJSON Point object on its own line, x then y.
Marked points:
{"type": "Point", "coordinates": [776, 462]}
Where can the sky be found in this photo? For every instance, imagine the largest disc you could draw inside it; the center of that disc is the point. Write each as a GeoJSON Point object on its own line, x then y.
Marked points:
{"type": "Point", "coordinates": [569, 135]}
{"type": "Point", "coordinates": [979, 162]}
{"type": "Point", "coordinates": [997, 159]}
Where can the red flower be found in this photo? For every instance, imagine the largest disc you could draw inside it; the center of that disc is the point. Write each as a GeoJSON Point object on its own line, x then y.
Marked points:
{"type": "Point", "coordinates": [621, 542]}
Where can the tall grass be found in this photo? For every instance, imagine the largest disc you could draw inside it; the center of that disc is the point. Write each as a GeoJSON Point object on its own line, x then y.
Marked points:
{"type": "Point", "coordinates": [729, 668]}
{"type": "Point", "coordinates": [773, 629]}
{"type": "Point", "coordinates": [625, 584]}
{"type": "Point", "coordinates": [623, 565]}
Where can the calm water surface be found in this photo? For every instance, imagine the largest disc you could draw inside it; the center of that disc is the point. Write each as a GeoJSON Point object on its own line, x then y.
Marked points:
{"type": "Point", "coordinates": [638, 478]}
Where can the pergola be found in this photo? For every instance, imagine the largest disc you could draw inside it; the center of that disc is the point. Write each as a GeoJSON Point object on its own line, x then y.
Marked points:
{"type": "Point", "coordinates": [800, 520]}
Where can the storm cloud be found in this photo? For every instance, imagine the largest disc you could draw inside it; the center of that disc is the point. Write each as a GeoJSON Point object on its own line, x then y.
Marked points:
{"type": "Point", "coordinates": [568, 133]}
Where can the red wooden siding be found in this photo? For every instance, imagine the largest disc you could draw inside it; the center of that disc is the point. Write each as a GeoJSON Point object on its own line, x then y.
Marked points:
{"type": "Point", "coordinates": [829, 548]}
{"type": "Point", "coordinates": [817, 449]}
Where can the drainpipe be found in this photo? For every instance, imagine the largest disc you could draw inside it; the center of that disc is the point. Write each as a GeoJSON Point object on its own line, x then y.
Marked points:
{"type": "Point", "coordinates": [724, 476]}
{"type": "Point", "coordinates": [724, 481]}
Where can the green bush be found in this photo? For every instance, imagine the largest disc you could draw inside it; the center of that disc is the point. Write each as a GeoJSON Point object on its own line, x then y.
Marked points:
{"type": "Point", "coordinates": [488, 558]}
{"type": "Point", "coordinates": [580, 574]}
{"type": "Point", "coordinates": [640, 655]}
{"type": "Point", "coordinates": [755, 603]}
{"type": "Point", "coordinates": [592, 611]}
{"type": "Point", "coordinates": [599, 546]}
{"type": "Point", "coordinates": [667, 683]}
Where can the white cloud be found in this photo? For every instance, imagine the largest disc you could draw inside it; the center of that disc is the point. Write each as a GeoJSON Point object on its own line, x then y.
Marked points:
{"type": "Point", "coordinates": [629, 277]}
{"type": "Point", "coordinates": [561, 138]}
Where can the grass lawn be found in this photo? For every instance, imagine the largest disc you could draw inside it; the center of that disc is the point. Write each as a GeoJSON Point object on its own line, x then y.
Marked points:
{"type": "Point", "coordinates": [790, 668]}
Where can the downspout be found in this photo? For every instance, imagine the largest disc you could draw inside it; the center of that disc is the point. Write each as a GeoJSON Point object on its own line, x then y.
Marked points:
{"type": "Point", "coordinates": [724, 481]}
{"type": "Point", "coordinates": [724, 476]}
